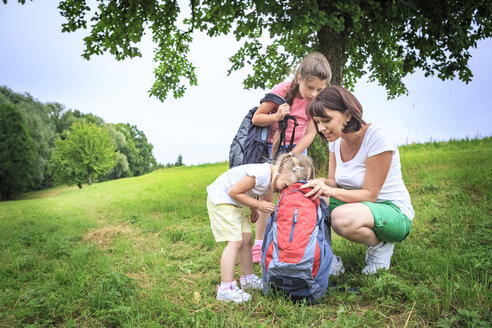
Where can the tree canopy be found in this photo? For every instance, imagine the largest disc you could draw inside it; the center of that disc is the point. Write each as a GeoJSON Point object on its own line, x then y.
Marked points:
{"type": "Point", "coordinates": [41, 129]}
{"type": "Point", "coordinates": [137, 150]}
{"type": "Point", "coordinates": [17, 153]}
{"type": "Point", "coordinates": [28, 134]}
{"type": "Point", "coordinates": [85, 152]}
{"type": "Point", "coordinates": [384, 39]}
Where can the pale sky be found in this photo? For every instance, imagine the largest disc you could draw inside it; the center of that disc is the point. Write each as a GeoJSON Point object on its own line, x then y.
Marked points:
{"type": "Point", "coordinates": [37, 58]}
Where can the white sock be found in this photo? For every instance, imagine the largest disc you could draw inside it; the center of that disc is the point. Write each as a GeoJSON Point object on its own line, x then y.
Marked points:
{"type": "Point", "coordinates": [249, 276]}
{"type": "Point", "coordinates": [226, 285]}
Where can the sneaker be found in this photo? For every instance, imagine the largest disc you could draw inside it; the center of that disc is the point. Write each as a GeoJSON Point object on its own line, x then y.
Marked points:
{"type": "Point", "coordinates": [256, 250]}
{"type": "Point", "coordinates": [336, 268]}
{"type": "Point", "coordinates": [378, 257]}
{"type": "Point", "coordinates": [233, 294]}
{"type": "Point", "coordinates": [252, 283]}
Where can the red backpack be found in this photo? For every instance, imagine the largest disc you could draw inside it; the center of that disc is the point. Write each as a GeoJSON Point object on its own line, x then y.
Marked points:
{"type": "Point", "coordinates": [296, 253]}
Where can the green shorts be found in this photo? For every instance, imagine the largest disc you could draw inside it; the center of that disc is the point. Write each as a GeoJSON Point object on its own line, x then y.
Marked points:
{"type": "Point", "coordinates": [390, 224]}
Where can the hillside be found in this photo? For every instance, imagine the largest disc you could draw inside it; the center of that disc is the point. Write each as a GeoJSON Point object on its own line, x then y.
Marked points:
{"type": "Point", "coordinates": [138, 252]}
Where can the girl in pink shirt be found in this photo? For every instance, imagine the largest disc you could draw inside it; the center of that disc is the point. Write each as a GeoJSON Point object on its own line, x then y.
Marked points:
{"type": "Point", "coordinates": [312, 76]}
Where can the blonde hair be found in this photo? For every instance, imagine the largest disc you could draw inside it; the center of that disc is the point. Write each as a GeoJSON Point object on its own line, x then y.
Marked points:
{"type": "Point", "coordinates": [299, 166]}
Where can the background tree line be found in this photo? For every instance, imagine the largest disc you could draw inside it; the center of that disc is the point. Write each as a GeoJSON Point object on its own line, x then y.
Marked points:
{"type": "Point", "coordinates": [385, 40]}
{"type": "Point", "coordinates": [45, 144]}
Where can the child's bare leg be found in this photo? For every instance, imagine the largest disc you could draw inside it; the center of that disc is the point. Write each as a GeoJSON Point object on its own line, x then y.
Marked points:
{"type": "Point", "coordinates": [245, 255]}
{"type": "Point", "coordinates": [260, 225]}
{"type": "Point", "coordinates": [228, 260]}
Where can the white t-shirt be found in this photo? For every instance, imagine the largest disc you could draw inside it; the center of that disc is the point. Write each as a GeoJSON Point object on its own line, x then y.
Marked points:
{"type": "Point", "coordinates": [218, 191]}
{"type": "Point", "coordinates": [350, 174]}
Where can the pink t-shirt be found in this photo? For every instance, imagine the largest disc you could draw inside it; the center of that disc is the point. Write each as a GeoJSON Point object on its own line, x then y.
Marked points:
{"type": "Point", "coordinates": [298, 109]}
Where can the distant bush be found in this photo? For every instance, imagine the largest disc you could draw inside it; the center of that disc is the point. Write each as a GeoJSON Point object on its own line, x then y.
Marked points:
{"type": "Point", "coordinates": [17, 153]}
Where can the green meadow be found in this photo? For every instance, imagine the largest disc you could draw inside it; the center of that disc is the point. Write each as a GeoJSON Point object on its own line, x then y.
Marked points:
{"type": "Point", "coordinates": [138, 252]}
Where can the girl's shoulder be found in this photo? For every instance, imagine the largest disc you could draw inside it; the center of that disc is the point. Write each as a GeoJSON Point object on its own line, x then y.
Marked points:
{"type": "Point", "coordinates": [257, 169]}
{"type": "Point", "coordinates": [282, 88]}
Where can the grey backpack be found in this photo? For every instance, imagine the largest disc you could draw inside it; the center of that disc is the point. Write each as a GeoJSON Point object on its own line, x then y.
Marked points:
{"type": "Point", "coordinates": [250, 145]}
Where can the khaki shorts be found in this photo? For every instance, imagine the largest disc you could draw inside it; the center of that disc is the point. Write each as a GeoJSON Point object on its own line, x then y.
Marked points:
{"type": "Point", "coordinates": [228, 222]}
{"type": "Point", "coordinates": [390, 224]}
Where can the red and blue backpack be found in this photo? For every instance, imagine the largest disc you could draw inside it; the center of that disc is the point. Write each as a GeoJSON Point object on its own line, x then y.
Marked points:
{"type": "Point", "coordinates": [296, 252]}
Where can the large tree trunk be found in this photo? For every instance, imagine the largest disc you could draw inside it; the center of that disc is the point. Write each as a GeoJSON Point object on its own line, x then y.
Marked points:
{"type": "Point", "coordinates": [90, 179]}
{"type": "Point", "coordinates": [332, 45]}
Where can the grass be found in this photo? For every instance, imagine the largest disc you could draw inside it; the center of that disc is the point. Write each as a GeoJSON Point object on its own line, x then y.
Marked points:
{"type": "Point", "coordinates": [138, 252]}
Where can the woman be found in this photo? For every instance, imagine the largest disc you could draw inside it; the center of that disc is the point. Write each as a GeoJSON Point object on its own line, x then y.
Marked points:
{"type": "Point", "coordinates": [369, 202]}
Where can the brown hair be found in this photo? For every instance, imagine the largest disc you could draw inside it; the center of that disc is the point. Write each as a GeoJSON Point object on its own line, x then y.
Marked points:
{"type": "Point", "coordinates": [299, 166]}
{"type": "Point", "coordinates": [314, 65]}
{"type": "Point", "coordinates": [337, 98]}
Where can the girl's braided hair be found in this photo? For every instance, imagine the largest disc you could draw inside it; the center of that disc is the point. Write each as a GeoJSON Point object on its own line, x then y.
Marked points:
{"type": "Point", "coordinates": [299, 166]}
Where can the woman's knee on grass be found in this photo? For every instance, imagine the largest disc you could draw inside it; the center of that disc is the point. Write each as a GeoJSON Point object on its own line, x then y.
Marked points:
{"type": "Point", "coordinates": [348, 218]}
{"type": "Point", "coordinates": [340, 223]}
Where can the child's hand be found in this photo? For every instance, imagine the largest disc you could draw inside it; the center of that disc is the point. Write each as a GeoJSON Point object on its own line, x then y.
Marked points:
{"type": "Point", "coordinates": [254, 215]}
{"type": "Point", "coordinates": [266, 207]}
{"type": "Point", "coordinates": [282, 110]}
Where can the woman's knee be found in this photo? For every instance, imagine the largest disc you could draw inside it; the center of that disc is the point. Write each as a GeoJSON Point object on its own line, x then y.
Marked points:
{"type": "Point", "coordinates": [350, 217]}
{"type": "Point", "coordinates": [339, 220]}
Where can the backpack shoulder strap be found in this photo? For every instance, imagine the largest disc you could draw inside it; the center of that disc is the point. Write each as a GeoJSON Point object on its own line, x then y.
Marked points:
{"type": "Point", "coordinates": [274, 98]}
{"type": "Point", "coordinates": [279, 100]}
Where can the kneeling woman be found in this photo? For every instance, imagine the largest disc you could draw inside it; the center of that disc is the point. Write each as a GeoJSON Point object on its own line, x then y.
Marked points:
{"type": "Point", "coordinates": [369, 202]}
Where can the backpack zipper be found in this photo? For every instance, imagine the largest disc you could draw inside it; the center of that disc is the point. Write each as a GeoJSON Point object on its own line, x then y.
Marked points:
{"type": "Point", "coordinates": [294, 221]}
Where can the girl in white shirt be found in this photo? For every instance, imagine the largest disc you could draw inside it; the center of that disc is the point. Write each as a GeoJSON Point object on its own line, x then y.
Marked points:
{"type": "Point", "coordinates": [369, 201]}
{"type": "Point", "coordinates": [228, 198]}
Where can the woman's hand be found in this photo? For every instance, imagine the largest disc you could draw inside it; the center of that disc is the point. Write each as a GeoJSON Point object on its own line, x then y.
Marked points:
{"type": "Point", "coordinates": [319, 188]}
{"type": "Point", "coordinates": [265, 207]}
{"type": "Point", "coordinates": [282, 111]}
